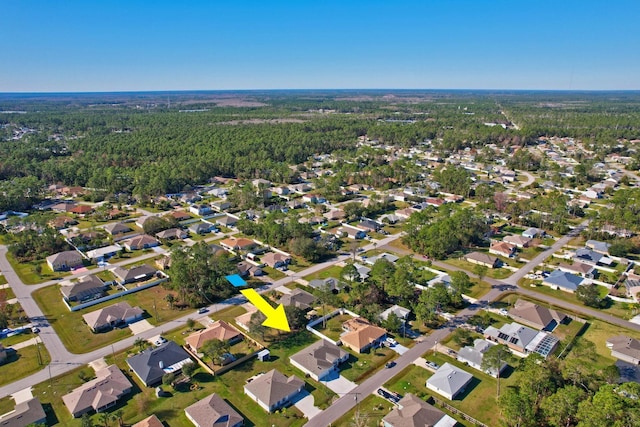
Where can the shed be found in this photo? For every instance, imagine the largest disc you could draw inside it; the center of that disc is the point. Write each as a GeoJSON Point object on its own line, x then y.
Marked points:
{"type": "Point", "coordinates": [264, 355]}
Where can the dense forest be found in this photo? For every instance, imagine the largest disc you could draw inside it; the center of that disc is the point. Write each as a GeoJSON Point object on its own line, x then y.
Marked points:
{"type": "Point", "coordinates": [154, 143]}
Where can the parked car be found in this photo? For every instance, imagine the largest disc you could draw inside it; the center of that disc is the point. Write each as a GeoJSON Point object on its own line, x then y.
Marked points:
{"type": "Point", "coordinates": [35, 330]}
{"type": "Point", "coordinates": [390, 364]}
{"type": "Point", "coordinates": [391, 342]}
{"type": "Point", "coordinates": [433, 365]}
{"type": "Point", "coordinates": [203, 310]}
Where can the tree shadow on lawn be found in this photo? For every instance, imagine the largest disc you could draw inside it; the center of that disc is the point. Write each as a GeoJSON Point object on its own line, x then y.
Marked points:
{"type": "Point", "coordinates": [470, 387]}
{"type": "Point", "coordinates": [203, 377]}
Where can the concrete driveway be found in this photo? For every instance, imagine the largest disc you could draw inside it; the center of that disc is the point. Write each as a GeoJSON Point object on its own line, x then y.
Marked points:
{"type": "Point", "coordinates": [338, 384]}
{"type": "Point", "coordinates": [140, 326]}
{"type": "Point", "coordinates": [400, 349]}
{"type": "Point", "coordinates": [305, 403]}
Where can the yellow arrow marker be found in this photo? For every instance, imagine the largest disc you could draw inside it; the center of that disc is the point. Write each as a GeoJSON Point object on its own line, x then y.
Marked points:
{"type": "Point", "coordinates": [276, 317]}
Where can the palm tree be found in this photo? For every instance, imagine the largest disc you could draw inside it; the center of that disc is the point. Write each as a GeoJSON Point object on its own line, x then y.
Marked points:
{"type": "Point", "coordinates": [171, 299]}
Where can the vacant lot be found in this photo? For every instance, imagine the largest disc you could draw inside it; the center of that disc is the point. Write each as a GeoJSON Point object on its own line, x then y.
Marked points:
{"type": "Point", "coordinates": [22, 363]}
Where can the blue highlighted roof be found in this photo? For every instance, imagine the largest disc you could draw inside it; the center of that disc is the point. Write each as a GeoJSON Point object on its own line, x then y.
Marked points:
{"type": "Point", "coordinates": [236, 280]}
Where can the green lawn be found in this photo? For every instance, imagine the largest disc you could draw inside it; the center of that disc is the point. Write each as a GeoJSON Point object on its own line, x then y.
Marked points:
{"type": "Point", "coordinates": [15, 339]}
{"type": "Point", "coordinates": [6, 294]}
{"type": "Point", "coordinates": [333, 327]}
{"type": "Point", "coordinates": [27, 271]}
{"type": "Point", "coordinates": [143, 402]}
{"type": "Point", "coordinates": [333, 271]}
{"type": "Point", "coordinates": [368, 412]}
{"type": "Point", "coordinates": [23, 363]}
{"type": "Point", "coordinates": [361, 366]}
{"type": "Point", "coordinates": [479, 288]}
{"type": "Point", "coordinates": [3, 280]}
{"type": "Point", "coordinates": [598, 332]}
{"type": "Point", "coordinates": [77, 336]}
{"type": "Point", "coordinates": [7, 404]}
{"type": "Point", "coordinates": [494, 273]}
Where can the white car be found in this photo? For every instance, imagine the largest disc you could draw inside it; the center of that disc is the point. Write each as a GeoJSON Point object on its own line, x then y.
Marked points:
{"type": "Point", "coordinates": [390, 341]}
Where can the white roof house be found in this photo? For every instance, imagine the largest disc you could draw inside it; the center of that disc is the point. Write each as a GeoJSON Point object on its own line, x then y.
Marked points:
{"type": "Point", "coordinates": [449, 381]}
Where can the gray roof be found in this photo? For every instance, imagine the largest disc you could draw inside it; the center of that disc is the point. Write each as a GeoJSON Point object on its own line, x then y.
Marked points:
{"type": "Point", "coordinates": [116, 228]}
{"type": "Point", "coordinates": [86, 286]}
{"type": "Point", "coordinates": [319, 356]}
{"type": "Point", "coordinates": [513, 333]}
{"type": "Point", "coordinates": [389, 257]}
{"type": "Point", "coordinates": [153, 363]}
{"type": "Point", "coordinates": [534, 314]}
{"type": "Point", "coordinates": [65, 256]}
{"type": "Point", "coordinates": [588, 256]}
{"type": "Point", "coordinates": [473, 355]}
{"type": "Point", "coordinates": [532, 232]}
{"type": "Point", "coordinates": [450, 379]}
{"type": "Point", "coordinates": [133, 273]}
{"type": "Point", "coordinates": [400, 312]}
{"type": "Point", "coordinates": [298, 298]}
{"type": "Point", "coordinates": [415, 412]}
{"type": "Point", "coordinates": [625, 345]}
{"type": "Point", "coordinates": [272, 387]}
{"type": "Point", "coordinates": [213, 411]}
{"type": "Point", "coordinates": [602, 247]}
{"type": "Point", "coordinates": [331, 282]}
{"type": "Point", "coordinates": [24, 414]}
{"type": "Point", "coordinates": [108, 386]}
{"type": "Point", "coordinates": [113, 314]}
{"type": "Point", "coordinates": [563, 280]}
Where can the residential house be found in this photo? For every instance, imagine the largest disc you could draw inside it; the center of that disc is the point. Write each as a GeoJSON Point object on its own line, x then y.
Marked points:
{"type": "Point", "coordinates": [244, 319]}
{"type": "Point", "coordinates": [273, 390]}
{"type": "Point", "coordinates": [81, 210]}
{"type": "Point", "coordinates": [473, 356]}
{"type": "Point", "coordinates": [615, 231]}
{"type": "Point", "coordinates": [361, 334]}
{"type": "Point", "coordinates": [143, 241]}
{"type": "Point", "coordinates": [434, 201]}
{"type": "Point", "coordinates": [213, 411]}
{"type": "Point", "coordinates": [632, 286]}
{"type": "Point", "coordinates": [363, 271]}
{"type": "Point", "coordinates": [387, 256]}
{"type": "Point", "coordinates": [151, 421]}
{"type": "Point", "coordinates": [179, 215]}
{"type": "Point", "coordinates": [66, 260]}
{"type": "Point", "coordinates": [117, 228]}
{"type": "Point", "coordinates": [625, 348]}
{"type": "Point", "coordinates": [481, 259]}
{"type": "Point", "coordinates": [334, 215]}
{"type": "Point", "coordinates": [151, 364]}
{"type": "Point", "coordinates": [98, 394]}
{"type": "Point", "coordinates": [536, 316]}
{"type": "Point", "coordinates": [63, 207]}
{"type": "Point", "coordinates": [523, 339]}
{"type": "Point", "coordinates": [597, 246]}
{"type": "Point", "coordinates": [226, 221]}
{"type": "Point", "coordinates": [369, 225]}
{"type": "Point", "coordinates": [533, 232]}
{"type": "Point", "coordinates": [411, 411]}
{"type": "Point", "coordinates": [351, 232]}
{"type": "Point", "coordinates": [26, 413]}
{"type": "Point", "coordinates": [329, 283]}
{"type": "Point", "coordinates": [163, 263]}
{"type": "Point", "coordinates": [562, 280]}
{"type": "Point", "coordinates": [320, 359]}
{"type": "Point", "coordinates": [201, 209]}
{"type": "Point", "coordinates": [504, 249]}
{"type": "Point", "coordinates": [133, 274]}
{"type": "Point", "coordinates": [276, 260]}
{"type": "Point", "coordinates": [105, 252]}
{"type": "Point", "coordinates": [519, 241]}
{"type": "Point", "coordinates": [62, 222]}
{"type": "Point", "coordinates": [585, 270]}
{"type": "Point", "coordinates": [400, 312]}
{"type": "Point", "coordinates": [142, 220]}
{"type": "Point", "coordinates": [240, 244]}
{"type": "Point", "coordinates": [219, 330]}
{"type": "Point", "coordinates": [449, 381]}
{"type": "Point", "coordinates": [114, 315]}
{"type": "Point", "coordinates": [172, 233]}
{"type": "Point", "coordinates": [591, 257]}
{"type": "Point", "coordinates": [298, 298]}
{"type": "Point", "coordinates": [405, 213]}
{"type": "Point", "coordinates": [247, 269]}
{"type": "Point", "coordinates": [86, 288]}
{"type": "Point", "coordinates": [190, 197]}
{"type": "Point", "coordinates": [201, 228]}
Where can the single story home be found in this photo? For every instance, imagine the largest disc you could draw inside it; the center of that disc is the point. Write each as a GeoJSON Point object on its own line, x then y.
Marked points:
{"type": "Point", "coordinates": [587, 271]}
{"type": "Point", "coordinates": [153, 363]}
{"type": "Point", "coordinates": [247, 269]}
{"type": "Point", "coordinates": [401, 312]}
{"type": "Point", "coordinates": [411, 411]}
{"type": "Point", "coordinates": [329, 283]}
{"type": "Point", "coordinates": [369, 225]}
{"type": "Point", "coordinates": [201, 228]}
{"type": "Point", "coordinates": [142, 220]}
{"type": "Point", "coordinates": [504, 249]}
{"type": "Point", "coordinates": [87, 288]}
{"type": "Point", "coordinates": [98, 394]}
{"type": "Point", "coordinates": [104, 252]}
{"type": "Point", "coordinates": [179, 215]}
{"type": "Point", "coordinates": [597, 246]}
{"type": "Point", "coordinates": [361, 334]}
{"type": "Point", "coordinates": [29, 412]}
{"type": "Point", "coordinates": [298, 298]}
{"type": "Point", "coordinates": [151, 421]}
{"type": "Point", "coordinates": [562, 280]}
{"type": "Point", "coordinates": [481, 259]}
{"type": "Point", "coordinates": [275, 259]}
{"type": "Point", "coordinates": [274, 390]}
{"type": "Point", "coordinates": [213, 411]}
{"type": "Point", "coordinates": [240, 244]}
{"type": "Point", "coordinates": [319, 359]}
{"type": "Point", "coordinates": [351, 232]}
{"type": "Point", "coordinates": [523, 339]}
{"type": "Point", "coordinates": [143, 241]}
{"type": "Point", "coordinates": [536, 316]}
{"type": "Point", "coordinates": [533, 232]}
{"type": "Point", "coordinates": [520, 241]}
{"type": "Point", "coordinates": [473, 355]}
{"type": "Point", "coordinates": [588, 256]}
{"type": "Point", "coordinates": [449, 381]}
{"type": "Point", "coordinates": [134, 274]}
{"type": "Point", "coordinates": [219, 330]}
{"type": "Point", "coordinates": [386, 256]}
{"type": "Point", "coordinates": [226, 221]}
{"type": "Point", "coordinates": [117, 228]}
{"type": "Point", "coordinates": [172, 233]}
{"type": "Point", "coordinates": [112, 316]}
{"type": "Point", "coordinates": [200, 209]}
{"type": "Point", "coordinates": [65, 260]}
{"type": "Point", "coordinates": [625, 348]}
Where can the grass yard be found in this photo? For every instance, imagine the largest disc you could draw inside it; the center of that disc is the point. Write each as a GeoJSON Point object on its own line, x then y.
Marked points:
{"type": "Point", "coordinates": [7, 404]}
{"type": "Point", "coordinates": [598, 332]}
{"type": "Point", "coordinates": [76, 335]}
{"type": "Point", "coordinates": [3, 280]}
{"type": "Point", "coordinates": [494, 273]}
{"type": "Point", "coordinates": [6, 294]}
{"type": "Point", "coordinates": [27, 271]}
{"type": "Point", "coordinates": [333, 271]}
{"type": "Point", "coordinates": [367, 413]}
{"type": "Point", "coordinates": [23, 363]}
{"type": "Point", "coordinates": [143, 401]}
{"type": "Point", "coordinates": [361, 366]}
{"type": "Point", "coordinates": [274, 273]}
{"type": "Point", "coordinates": [479, 288]}
{"type": "Point", "coordinates": [15, 339]}
{"type": "Point", "coordinates": [333, 327]}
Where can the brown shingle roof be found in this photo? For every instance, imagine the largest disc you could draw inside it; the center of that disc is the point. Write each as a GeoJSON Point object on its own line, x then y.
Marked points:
{"type": "Point", "coordinates": [213, 411]}
{"type": "Point", "coordinates": [220, 330]}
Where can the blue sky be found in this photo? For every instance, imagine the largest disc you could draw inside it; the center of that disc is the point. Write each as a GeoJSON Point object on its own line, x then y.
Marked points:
{"type": "Point", "coordinates": [112, 45]}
